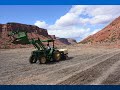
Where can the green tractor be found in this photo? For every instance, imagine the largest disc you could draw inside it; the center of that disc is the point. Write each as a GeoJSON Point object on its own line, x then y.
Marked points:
{"type": "Point", "coordinates": [42, 53]}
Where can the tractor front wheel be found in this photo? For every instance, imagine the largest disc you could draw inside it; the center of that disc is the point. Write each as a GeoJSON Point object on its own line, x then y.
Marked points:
{"type": "Point", "coordinates": [43, 60]}
{"type": "Point", "coordinates": [32, 59]}
{"type": "Point", "coordinates": [56, 56]}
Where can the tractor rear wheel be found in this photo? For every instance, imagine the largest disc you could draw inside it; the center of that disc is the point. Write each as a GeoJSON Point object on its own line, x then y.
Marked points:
{"type": "Point", "coordinates": [43, 60]}
{"type": "Point", "coordinates": [32, 59]}
{"type": "Point", "coordinates": [56, 56]}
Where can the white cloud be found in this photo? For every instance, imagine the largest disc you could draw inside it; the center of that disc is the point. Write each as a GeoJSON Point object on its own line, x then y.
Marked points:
{"type": "Point", "coordinates": [81, 14]}
{"type": "Point", "coordinates": [101, 19]}
{"type": "Point", "coordinates": [67, 20]}
{"type": "Point", "coordinates": [94, 31]}
{"type": "Point", "coordinates": [41, 24]}
{"type": "Point", "coordinates": [71, 32]}
{"type": "Point", "coordinates": [82, 20]}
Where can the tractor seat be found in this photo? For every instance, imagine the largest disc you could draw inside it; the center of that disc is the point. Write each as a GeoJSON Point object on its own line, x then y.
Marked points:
{"type": "Point", "coordinates": [49, 51]}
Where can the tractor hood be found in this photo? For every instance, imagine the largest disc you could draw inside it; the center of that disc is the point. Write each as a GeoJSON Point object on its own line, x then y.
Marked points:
{"type": "Point", "coordinates": [63, 50]}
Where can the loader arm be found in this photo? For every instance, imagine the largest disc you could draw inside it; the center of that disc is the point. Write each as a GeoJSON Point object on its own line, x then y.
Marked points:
{"type": "Point", "coordinates": [37, 44]}
{"type": "Point", "coordinates": [23, 38]}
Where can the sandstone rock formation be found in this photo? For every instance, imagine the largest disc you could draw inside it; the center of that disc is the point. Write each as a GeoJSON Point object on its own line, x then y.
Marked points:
{"type": "Point", "coordinates": [32, 32]}
{"type": "Point", "coordinates": [71, 41]}
{"type": "Point", "coordinates": [67, 41]}
{"type": "Point", "coordinates": [109, 34]}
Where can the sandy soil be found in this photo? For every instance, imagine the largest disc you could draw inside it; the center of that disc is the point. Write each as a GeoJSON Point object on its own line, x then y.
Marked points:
{"type": "Point", "coordinates": [85, 66]}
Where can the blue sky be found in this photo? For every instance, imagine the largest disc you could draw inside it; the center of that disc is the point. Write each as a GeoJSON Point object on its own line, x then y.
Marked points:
{"type": "Point", "coordinates": [65, 21]}
{"type": "Point", "coordinates": [30, 13]}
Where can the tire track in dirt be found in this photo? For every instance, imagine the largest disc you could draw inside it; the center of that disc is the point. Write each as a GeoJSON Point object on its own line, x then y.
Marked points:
{"type": "Point", "coordinates": [36, 71]}
{"type": "Point", "coordinates": [113, 78]}
{"type": "Point", "coordinates": [57, 76]}
{"type": "Point", "coordinates": [91, 74]}
{"type": "Point", "coordinates": [27, 70]}
{"type": "Point", "coordinates": [105, 75]}
{"type": "Point", "coordinates": [48, 66]}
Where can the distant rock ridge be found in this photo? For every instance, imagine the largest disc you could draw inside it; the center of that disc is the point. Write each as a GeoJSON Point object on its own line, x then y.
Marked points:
{"type": "Point", "coordinates": [67, 41]}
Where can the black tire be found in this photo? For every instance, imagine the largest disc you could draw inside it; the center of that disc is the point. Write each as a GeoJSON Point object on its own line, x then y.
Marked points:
{"type": "Point", "coordinates": [32, 59]}
{"type": "Point", "coordinates": [56, 56]}
{"type": "Point", "coordinates": [43, 60]}
{"type": "Point", "coordinates": [66, 57]}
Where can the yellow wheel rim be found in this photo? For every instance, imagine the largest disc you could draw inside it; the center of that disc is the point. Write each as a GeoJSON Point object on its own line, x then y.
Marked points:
{"type": "Point", "coordinates": [57, 56]}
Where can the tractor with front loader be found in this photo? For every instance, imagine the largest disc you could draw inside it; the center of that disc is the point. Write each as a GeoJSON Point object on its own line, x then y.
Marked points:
{"type": "Point", "coordinates": [42, 53]}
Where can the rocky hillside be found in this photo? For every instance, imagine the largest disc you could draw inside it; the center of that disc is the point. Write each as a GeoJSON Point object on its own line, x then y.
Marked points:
{"type": "Point", "coordinates": [67, 41]}
{"type": "Point", "coordinates": [109, 34]}
{"type": "Point", "coordinates": [33, 32]}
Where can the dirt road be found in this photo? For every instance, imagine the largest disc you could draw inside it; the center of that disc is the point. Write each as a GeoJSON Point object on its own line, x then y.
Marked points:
{"type": "Point", "coordinates": [85, 66]}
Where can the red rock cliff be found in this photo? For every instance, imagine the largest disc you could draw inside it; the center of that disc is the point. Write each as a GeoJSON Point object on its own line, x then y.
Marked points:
{"type": "Point", "coordinates": [109, 34]}
{"type": "Point", "coordinates": [33, 32]}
